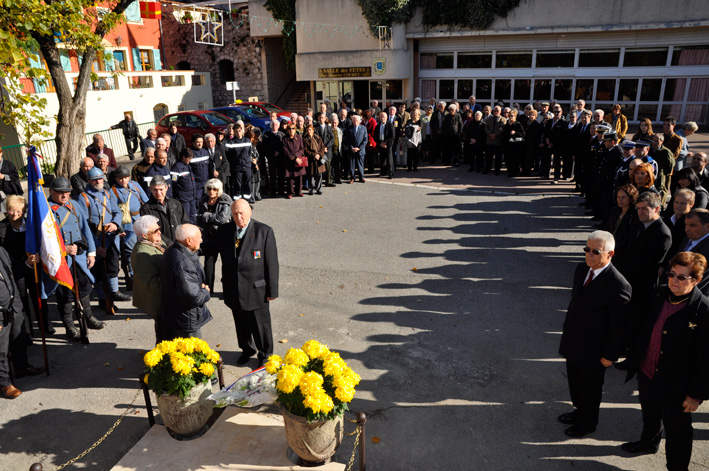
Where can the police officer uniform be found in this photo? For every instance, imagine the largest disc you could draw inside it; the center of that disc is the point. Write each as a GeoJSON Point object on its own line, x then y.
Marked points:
{"type": "Point", "coordinates": [200, 169]}
{"type": "Point", "coordinates": [238, 153]}
{"type": "Point", "coordinates": [100, 208]}
{"type": "Point", "coordinates": [75, 231]}
{"type": "Point", "coordinates": [184, 188]}
{"type": "Point", "coordinates": [130, 199]}
{"type": "Point", "coordinates": [162, 170]}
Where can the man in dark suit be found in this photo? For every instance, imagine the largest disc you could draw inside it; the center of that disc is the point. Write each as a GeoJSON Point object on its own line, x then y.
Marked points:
{"type": "Point", "coordinates": [436, 124]}
{"type": "Point", "coordinates": [355, 143]}
{"type": "Point", "coordinates": [594, 331]}
{"type": "Point", "coordinates": [9, 178]}
{"type": "Point", "coordinates": [98, 147]}
{"type": "Point", "coordinates": [554, 137]}
{"type": "Point", "coordinates": [130, 134]}
{"type": "Point", "coordinates": [696, 228]}
{"type": "Point", "coordinates": [150, 141]}
{"type": "Point", "coordinates": [580, 137]}
{"type": "Point", "coordinates": [384, 137]}
{"type": "Point", "coordinates": [323, 130]}
{"type": "Point", "coordinates": [250, 279]}
{"type": "Point", "coordinates": [643, 259]}
{"type": "Point", "coordinates": [682, 203]}
{"type": "Point", "coordinates": [218, 164]}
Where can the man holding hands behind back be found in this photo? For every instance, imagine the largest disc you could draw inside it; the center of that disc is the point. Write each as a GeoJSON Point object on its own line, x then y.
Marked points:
{"type": "Point", "coordinates": [250, 279]}
{"type": "Point", "coordinates": [594, 331]}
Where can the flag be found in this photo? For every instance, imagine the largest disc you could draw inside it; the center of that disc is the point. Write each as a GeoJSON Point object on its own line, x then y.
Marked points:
{"type": "Point", "coordinates": [43, 235]}
{"type": "Point", "coordinates": [150, 10]}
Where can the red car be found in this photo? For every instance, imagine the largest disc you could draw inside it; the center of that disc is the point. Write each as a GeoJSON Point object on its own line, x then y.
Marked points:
{"type": "Point", "coordinates": [192, 122]}
{"type": "Point", "coordinates": [268, 108]}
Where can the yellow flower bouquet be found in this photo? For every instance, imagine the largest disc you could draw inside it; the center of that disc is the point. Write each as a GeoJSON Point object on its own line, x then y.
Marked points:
{"type": "Point", "coordinates": [176, 366]}
{"type": "Point", "coordinates": [313, 382]}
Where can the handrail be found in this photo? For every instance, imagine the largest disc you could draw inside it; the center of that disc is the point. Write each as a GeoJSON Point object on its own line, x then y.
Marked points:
{"type": "Point", "coordinates": [292, 80]}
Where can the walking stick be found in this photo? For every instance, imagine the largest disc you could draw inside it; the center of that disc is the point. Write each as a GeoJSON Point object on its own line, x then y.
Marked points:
{"type": "Point", "coordinates": [108, 300]}
{"type": "Point", "coordinates": [83, 327]}
{"type": "Point", "coordinates": [42, 319]}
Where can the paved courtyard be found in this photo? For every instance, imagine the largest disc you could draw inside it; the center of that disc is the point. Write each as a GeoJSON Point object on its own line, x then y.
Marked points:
{"type": "Point", "coordinates": [448, 302]}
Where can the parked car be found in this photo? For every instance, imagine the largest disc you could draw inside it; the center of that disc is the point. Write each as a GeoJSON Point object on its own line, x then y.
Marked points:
{"type": "Point", "coordinates": [268, 108]}
{"type": "Point", "coordinates": [192, 122]}
{"type": "Point", "coordinates": [248, 115]}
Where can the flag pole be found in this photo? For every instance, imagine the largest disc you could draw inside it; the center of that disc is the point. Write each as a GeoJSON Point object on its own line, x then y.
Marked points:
{"type": "Point", "coordinates": [43, 317]}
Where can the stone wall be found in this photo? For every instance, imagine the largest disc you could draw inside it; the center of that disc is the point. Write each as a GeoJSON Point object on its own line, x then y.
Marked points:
{"type": "Point", "coordinates": [239, 47]}
{"type": "Point", "coordinates": [277, 74]}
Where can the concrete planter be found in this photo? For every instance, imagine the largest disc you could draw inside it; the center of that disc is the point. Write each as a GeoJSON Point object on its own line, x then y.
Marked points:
{"type": "Point", "coordinates": [187, 417]}
{"type": "Point", "coordinates": [313, 442]}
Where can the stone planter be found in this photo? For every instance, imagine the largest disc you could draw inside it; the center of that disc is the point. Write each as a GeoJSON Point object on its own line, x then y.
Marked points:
{"type": "Point", "coordinates": [313, 442]}
{"type": "Point", "coordinates": [187, 417]}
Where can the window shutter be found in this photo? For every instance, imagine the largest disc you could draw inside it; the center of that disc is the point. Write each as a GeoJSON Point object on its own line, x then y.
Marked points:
{"type": "Point", "coordinates": [108, 61]}
{"type": "Point", "coordinates": [157, 65]}
{"type": "Point", "coordinates": [66, 62]}
{"type": "Point", "coordinates": [136, 60]}
{"type": "Point", "coordinates": [132, 12]}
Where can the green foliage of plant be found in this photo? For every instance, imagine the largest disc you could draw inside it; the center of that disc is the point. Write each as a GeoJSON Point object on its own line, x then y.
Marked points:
{"type": "Point", "coordinates": [469, 14]}
{"type": "Point", "coordinates": [285, 10]}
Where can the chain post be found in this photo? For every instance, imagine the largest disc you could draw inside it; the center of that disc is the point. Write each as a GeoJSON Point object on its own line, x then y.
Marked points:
{"type": "Point", "coordinates": [36, 467]}
{"type": "Point", "coordinates": [361, 421]}
{"type": "Point", "coordinates": [148, 403]}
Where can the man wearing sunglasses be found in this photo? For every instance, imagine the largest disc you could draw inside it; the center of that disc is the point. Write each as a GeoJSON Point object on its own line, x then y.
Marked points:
{"type": "Point", "coordinates": [594, 331]}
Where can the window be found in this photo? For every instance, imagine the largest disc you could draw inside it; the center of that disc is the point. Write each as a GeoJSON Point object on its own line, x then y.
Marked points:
{"type": "Point", "coordinates": [183, 65]}
{"type": "Point", "coordinates": [172, 80]}
{"type": "Point", "coordinates": [145, 59]}
{"type": "Point", "coordinates": [674, 89]}
{"type": "Point", "coordinates": [194, 122]}
{"type": "Point", "coordinates": [482, 60]}
{"type": "Point", "coordinates": [376, 90]}
{"type": "Point", "coordinates": [647, 111]}
{"type": "Point", "coordinates": [513, 60]}
{"type": "Point", "coordinates": [650, 90]}
{"type": "Point", "coordinates": [465, 88]}
{"type": "Point", "coordinates": [198, 79]}
{"type": "Point", "coordinates": [523, 89]}
{"type": "Point", "coordinates": [483, 89]}
{"type": "Point", "coordinates": [97, 64]}
{"type": "Point", "coordinates": [177, 119]}
{"type": "Point", "coordinates": [215, 119]}
{"type": "Point", "coordinates": [628, 110]}
{"type": "Point", "coordinates": [690, 55]}
{"type": "Point", "coordinates": [143, 81]}
{"type": "Point", "coordinates": [555, 59]}
{"type": "Point", "coordinates": [395, 89]}
{"type": "Point", "coordinates": [436, 61]}
{"type": "Point", "coordinates": [599, 58]}
{"type": "Point", "coordinates": [584, 89]}
{"type": "Point", "coordinates": [628, 90]}
{"type": "Point", "coordinates": [119, 60]}
{"type": "Point", "coordinates": [503, 90]}
{"type": "Point", "coordinates": [226, 71]}
{"type": "Point", "coordinates": [445, 89]}
{"type": "Point", "coordinates": [645, 57]}
{"type": "Point", "coordinates": [562, 89]}
{"type": "Point", "coordinates": [605, 89]}
{"type": "Point", "coordinates": [428, 89]}
{"type": "Point", "coordinates": [542, 89]}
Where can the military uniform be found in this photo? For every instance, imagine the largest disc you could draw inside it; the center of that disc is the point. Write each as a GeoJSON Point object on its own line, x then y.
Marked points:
{"type": "Point", "coordinates": [200, 169]}
{"type": "Point", "coordinates": [184, 188]}
{"type": "Point", "coordinates": [75, 231]}
{"type": "Point", "coordinates": [162, 170]}
{"type": "Point", "coordinates": [132, 197]}
{"type": "Point", "coordinates": [100, 208]}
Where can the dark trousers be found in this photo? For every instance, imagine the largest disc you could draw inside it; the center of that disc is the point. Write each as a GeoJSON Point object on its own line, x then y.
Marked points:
{"type": "Point", "coordinates": [514, 153]}
{"type": "Point", "coordinates": [356, 163]}
{"type": "Point", "coordinates": [19, 341]}
{"type": "Point", "coordinates": [436, 146]}
{"type": "Point", "coordinates": [529, 159]}
{"type": "Point", "coordinates": [371, 158]}
{"type": "Point", "coordinates": [241, 182]}
{"type": "Point", "coordinates": [678, 424]}
{"type": "Point", "coordinates": [493, 152]}
{"type": "Point", "coordinates": [4, 348]}
{"type": "Point", "coordinates": [190, 208]}
{"type": "Point", "coordinates": [65, 296]}
{"type": "Point", "coordinates": [131, 146]}
{"type": "Point", "coordinates": [386, 161]}
{"type": "Point", "coordinates": [210, 262]}
{"type": "Point", "coordinates": [335, 168]}
{"type": "Point", "coordinates": [412, 158]}
{"type": "Point", "coordinates": [558, 158]}
{"type": "Point", "coordinates": [296, 182]}
{"type": "Point", "coordinates": [278, 178]}
{"type": "Point", "coordinates": [544, 161]}
{"type": "Point", "coordinates": [107, 266]}
{"type": "Point", "coordinates": [451, 150]}
{"type": "Point", "coordinates": [586, 388]}
{"type": "Point", "coordinates": [253, 331]}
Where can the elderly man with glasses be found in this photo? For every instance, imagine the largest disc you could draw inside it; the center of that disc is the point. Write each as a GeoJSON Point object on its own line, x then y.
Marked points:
{"type": "Point", "coordinates": [594, 331]}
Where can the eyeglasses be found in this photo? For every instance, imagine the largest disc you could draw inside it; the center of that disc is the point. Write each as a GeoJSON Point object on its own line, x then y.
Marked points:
{"type": "Point", "coordinates": [154, 231]}
{"type": "Point", "coordinates": [679, 277]}
{"type": "Point", "coordinates": [588, 249]}
{"type": "Point", "coordinates": [212, 189]}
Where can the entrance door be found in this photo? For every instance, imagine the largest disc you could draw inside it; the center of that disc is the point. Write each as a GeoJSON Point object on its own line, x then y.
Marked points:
{"type": "Point", "coordinates": [361, 94]}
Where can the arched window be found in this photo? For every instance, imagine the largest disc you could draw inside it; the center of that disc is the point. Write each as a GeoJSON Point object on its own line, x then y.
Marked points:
{"type": "Point", "coordinates": [184, 65]}
{"type": "Point", "coordinates": [159, 111]}
{"type": "Point", "coordinates": [226, 71]}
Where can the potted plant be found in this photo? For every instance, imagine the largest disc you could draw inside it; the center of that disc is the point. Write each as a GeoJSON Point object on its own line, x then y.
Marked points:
{"type": "Point", "coordinates": [234, 14]}
{"type": "Point", "coordinates": [314, 386]}
{"type": "Point", "coordinates": [187, 18]}
{"type": "Point", "coordinates": [179, 372]}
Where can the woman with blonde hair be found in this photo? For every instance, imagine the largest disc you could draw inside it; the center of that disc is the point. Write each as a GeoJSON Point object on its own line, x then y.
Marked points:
{"type": "Point", "coordinates": [213, 210]}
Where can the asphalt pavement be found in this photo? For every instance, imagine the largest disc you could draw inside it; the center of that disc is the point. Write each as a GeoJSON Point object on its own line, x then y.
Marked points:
{"type": "Point", "coordinates": [445, 290]}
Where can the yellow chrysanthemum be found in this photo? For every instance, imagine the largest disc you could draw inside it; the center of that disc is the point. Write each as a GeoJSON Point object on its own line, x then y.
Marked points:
{"type": "Point", "coordinates": [311, 383]}
{"type": "Point", "coordinates": [206, 369]}
{"type": "Point", "coordinates": [319, 402]}
{"type": "Point", "coordinates": [345, 393]}
{"type": "Point", "coordinates": [333, 365]}
{"type": "Point", "coordinates": [145, 379]}
{"type": "Point", "coordinates": [167, 346]}
{"type": "Point", "coordinates": [351, 376]}
{"type": "Point", "coordinates": [315, 349]}
{"type": "Point", "coordinates": [181, 363]}
{"type": "Point", "coordinates": [212, 356]}
{"type": "Point", "coordinates": [296, 356]}
{"type": "Point", "coordinates": [153, 357]}
{"type": "Point", "coordinates": [288, 378]}
{"type": "Point", "coordinates": [273, 363]}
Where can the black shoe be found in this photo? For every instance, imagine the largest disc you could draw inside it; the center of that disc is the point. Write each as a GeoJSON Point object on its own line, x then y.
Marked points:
{"type": "Point", "coordinates": [622, 365]}
{"type": "Point", "coordinates": [29, 371]}
{"type": "Point", "coordinates": [94, 324]}
{"type": "Point", "coordinates": [310, 192]}
{"type": "Point", "coordinates": [261, 362]}
{"type": "Point", "coordinates": [73, 333]}
{"type": "Point", "coordinates": [243, 359]}
{"type": "Point", "coordinates": [318, 192]}
{"type": "Point", "coordinates": [578, 432]}
{"type": "Point", "coordinates": [639, 448]}
{"type": "Point", "coordinates": [120, 296]}
{"type": "Point", "coordinates": [569, 418]}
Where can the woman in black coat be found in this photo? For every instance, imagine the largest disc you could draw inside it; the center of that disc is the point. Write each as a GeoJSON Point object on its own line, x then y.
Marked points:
{"type": "Point", "coordinates": [513, 138]}
{"type": "Point", "coordinates": [671, 359]}
{"type": "Point", "coordinates": [474, 132]}
{"type": "Point", "coordinates": [532, 139]}
{"type": "Point", "coordinates": [213, 210]}
{"type": "Point", "coordinates": [623, 222]}
{"type": "Point", "coordinates": [687, 178]}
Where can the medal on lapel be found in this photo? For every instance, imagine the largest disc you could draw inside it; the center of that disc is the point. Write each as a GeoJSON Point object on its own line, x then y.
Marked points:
{"type": "Point", "coordinates": [237, 243]}
{"type": "Point", "coordinates": [692, 325]}
{"type": "Point", "coordinates": [257, 254]}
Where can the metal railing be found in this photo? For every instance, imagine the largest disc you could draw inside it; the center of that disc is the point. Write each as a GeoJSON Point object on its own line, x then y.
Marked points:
{"type": "Point", "coordinates": [113, 139]}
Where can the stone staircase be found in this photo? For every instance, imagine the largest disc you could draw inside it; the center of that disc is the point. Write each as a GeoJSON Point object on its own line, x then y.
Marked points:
{"type": "Point", "coordinates": [294, 100]}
